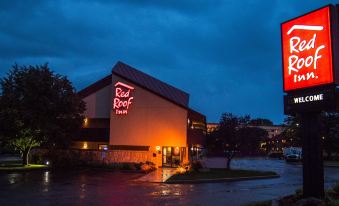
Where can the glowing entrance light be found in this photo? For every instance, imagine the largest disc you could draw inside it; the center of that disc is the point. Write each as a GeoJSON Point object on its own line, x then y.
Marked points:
{"type": "Point", "coordinates": [122, 99]}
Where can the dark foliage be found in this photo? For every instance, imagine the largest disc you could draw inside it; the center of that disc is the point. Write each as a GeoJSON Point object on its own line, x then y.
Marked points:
{"type": "Point", "coordinates": [235, 135]}
{"type": "Point", "coordinates": [35, 98]}
{"type": "Point", "coordinates": [291, 131]}
{"type": "Point", "coordinates": [329, 132]}
{"type": "Point", "coordinates": [261, 122]}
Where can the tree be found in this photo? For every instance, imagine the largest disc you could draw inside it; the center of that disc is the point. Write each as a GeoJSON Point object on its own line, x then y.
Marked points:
{"type": "Point", "coordinates": [251, 138]}
{"type": "Point", "coordinates": [38, 106]}
{"type": "Point", "coordinates": [261, 122]}
{"type": "Point", "coordinates": [330, 133]}
{"type": "Point", "coordinates": [235, 134]}
{"type": "Point", "coordinates": [230, 137]}
{"type": "Point", "coordinates": [24, 142]}
{"type": "Point", "coordinates": [291, 131]}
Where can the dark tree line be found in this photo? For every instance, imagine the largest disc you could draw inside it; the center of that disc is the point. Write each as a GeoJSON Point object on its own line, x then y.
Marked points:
{"type": "Point", "coordinates": [38, 107]}
{"type": "Point", "coordinates": [235, 135]}
{"type": "Point", "coordinates": [329, 132]}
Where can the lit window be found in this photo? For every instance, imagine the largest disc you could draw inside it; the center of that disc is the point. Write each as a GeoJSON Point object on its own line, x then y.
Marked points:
{"type": "Point", "coordinates": [103, 147]}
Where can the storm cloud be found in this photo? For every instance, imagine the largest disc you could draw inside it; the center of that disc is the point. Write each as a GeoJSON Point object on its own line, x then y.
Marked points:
{"type": "Point", "coordinates": [226, 54]}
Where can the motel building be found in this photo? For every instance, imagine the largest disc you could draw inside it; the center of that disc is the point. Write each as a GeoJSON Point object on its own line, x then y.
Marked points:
{"type": "Point", "coordinates": [133, 117]}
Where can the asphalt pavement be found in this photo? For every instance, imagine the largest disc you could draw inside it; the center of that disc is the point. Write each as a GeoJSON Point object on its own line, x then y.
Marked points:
{"type": "Point", "coordinates": [103, 187]}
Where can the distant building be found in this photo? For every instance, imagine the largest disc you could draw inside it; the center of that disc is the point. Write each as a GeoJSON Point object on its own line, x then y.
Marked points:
{"type": "Point", "coordinates": [273, 130]}
{"type": "Point", "coordinates": [211, 127]}
{"type": "Point", "coordinates": [274, 142]}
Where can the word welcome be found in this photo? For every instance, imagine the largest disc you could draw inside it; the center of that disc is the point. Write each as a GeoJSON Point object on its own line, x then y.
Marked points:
{"type": "Point", "coordinates": [310, 98]}
{"type": "Point", "coordinates": [122, 99]}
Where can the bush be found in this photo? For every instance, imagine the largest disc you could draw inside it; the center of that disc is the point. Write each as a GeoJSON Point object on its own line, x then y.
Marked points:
{"type": "Point", "coordinates": [37, 158]}
{"type": "Point", "coordinates": [183, 168]}
{"type": "Point", "coordinates": [336, 187]}
{"type": "Point", "coordinates": [196, 165]}
{"type": "Point", "coordinates": [147, 166]}
{"type": "Point", "coordinates": [298, 194]}
{"type": "Point", "coordinates": [333, 203]}
{"type": "Point", "coordinates": [129, 166]}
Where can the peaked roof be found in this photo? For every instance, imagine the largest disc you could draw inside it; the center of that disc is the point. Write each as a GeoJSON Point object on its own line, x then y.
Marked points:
{"type": "Point", "coordinates": [152, 84]}
{"type": "Point", "coordinates": [107, 80]}
{"type": "Point", "coordinates": [141, 79]}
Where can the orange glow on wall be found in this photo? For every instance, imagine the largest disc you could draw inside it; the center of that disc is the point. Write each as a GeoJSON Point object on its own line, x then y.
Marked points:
{"type": "Point", "coordinates": [85, 122]}
{"type": "Point", "coordinates": [307, 50]}
{"type": "Point", "coordinates": [123, 98]}
{"type": "Point", "coordinates": [176, 151]}
{"type": "Point", "coordinates": [151, 120]}
{"type": "Point", "coordinates": [85, 146]}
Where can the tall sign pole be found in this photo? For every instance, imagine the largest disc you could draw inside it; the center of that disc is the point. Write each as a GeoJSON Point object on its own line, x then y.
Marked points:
{"type": "Point", "coordinates": [310, 74]}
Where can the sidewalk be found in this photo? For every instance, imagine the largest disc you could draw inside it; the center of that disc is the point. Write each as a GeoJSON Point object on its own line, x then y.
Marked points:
{"type": "Point", "coordinates": [158, 176]}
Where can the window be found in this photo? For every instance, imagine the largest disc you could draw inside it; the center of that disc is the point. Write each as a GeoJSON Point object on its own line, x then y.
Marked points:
{"type": "Point", "coordinates": [103, 147]}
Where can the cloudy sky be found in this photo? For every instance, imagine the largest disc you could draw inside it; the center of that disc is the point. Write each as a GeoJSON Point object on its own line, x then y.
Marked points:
{"type": "Point", "coordinates": [225, 54]}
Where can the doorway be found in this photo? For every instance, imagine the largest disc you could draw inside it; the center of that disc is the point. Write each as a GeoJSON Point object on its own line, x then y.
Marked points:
{"type": "Point", "coordinates": [171, 156]}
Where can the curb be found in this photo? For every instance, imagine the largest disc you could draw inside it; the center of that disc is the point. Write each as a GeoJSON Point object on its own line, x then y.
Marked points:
{"type": "Point", "coordinates": [24, 170]}
{"type": "Point", "coordinates": [198, 181]}
{"type": "Point", "coordinates": [331, 165]}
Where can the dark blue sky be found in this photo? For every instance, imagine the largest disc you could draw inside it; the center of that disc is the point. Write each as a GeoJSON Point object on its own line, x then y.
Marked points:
{"type": "Point", "coordinates": [225, 54]}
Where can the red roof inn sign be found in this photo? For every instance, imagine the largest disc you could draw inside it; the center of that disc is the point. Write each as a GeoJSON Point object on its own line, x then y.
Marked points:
{"type": "Point", "coordinates": [123, 98]}
{"type": "Point", "coordinates": [310, 60]}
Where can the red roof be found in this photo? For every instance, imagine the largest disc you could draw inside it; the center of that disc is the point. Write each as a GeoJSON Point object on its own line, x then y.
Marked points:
{"type": "Point", "coordinates": [107, 80]}
{"type": "Point", "coordinates": [141, 79]}
{"type": "Point", "coordinates": [152, 84]}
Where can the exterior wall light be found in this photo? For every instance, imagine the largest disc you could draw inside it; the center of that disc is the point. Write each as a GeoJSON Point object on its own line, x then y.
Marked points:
{"type": "Point", "coordinates": [85, 146]}
{"type": "Point", "coordinates": [158, 149]}
{"type": "Point", "coordinates": [85, 121]}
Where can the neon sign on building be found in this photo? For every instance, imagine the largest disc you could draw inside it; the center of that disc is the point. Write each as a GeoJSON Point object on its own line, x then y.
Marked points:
{"type": "Point", "coordinates": [307, 50]}
{"type": "Point", "coordinates": [123, 98]}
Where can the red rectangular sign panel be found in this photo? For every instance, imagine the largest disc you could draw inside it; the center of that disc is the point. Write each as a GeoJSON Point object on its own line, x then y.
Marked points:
{"type": "Point", "coordinates": [307, 50]}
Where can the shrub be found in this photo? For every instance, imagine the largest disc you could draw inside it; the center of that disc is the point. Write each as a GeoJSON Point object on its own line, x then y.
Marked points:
{"type": "Point", "coordinates": [183, 168]}
{"type": "Point", "coordinates": [37, 158]}
{"type": "Point", "coordinates": [147, 166]}
{"type": "Point", "coordinates": [196, 165]}
{"type": "Point", "coordinates": [333, 203]}
{"type": "Point", "coordinates": [336, 187]}
{"type": "Point", "coordinates": [128, 166]}
{"type": "Point", "coordinates": [298, 194]}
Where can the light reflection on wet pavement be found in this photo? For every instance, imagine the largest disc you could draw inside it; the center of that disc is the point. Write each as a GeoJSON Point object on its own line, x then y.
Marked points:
{"type": "Point", "coordinates": [103, 187]}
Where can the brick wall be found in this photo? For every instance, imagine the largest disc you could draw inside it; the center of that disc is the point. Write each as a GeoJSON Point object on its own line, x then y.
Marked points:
{"type": "Point", "coordinates": [77, 156]}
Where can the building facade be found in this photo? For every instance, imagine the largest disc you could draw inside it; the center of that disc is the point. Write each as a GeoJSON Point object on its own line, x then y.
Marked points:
{"type": "Point", "coordinates": [130, 112]}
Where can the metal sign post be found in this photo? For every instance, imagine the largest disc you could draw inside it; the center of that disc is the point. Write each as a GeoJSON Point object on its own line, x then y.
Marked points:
{"type": "Point", "coordinates": [313, 170]}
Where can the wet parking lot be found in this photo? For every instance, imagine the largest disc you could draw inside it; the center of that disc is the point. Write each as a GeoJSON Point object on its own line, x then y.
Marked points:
{"type": "Point", "coordinates": [100, 187]}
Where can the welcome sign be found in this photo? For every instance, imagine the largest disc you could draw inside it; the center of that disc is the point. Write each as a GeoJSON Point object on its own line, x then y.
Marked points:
{"type": "Point", "coordinates": [310, 61]}
{"type": "Point", "coordinates": [307, 50]}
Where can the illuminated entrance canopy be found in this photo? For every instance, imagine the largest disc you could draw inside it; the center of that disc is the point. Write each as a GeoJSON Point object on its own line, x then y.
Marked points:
{"type": "Point", "coordinates": [123, 98]}
{"type": "Point", "coordinates": [307, 50]}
